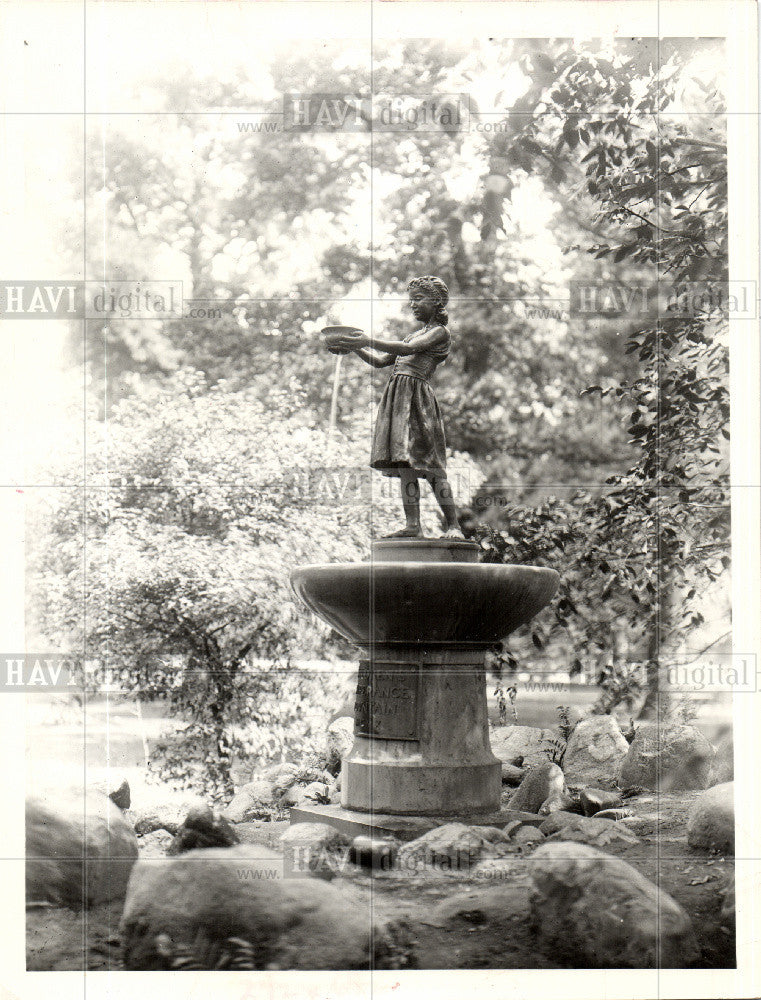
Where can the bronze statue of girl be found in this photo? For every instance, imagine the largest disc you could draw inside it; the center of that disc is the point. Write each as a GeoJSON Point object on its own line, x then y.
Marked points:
{"type": "Point", "coordinates": [408, 441]}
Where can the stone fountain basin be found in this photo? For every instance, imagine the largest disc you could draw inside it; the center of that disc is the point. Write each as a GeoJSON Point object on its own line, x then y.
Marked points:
{"type": "Point", "coordinates": [424, 602]}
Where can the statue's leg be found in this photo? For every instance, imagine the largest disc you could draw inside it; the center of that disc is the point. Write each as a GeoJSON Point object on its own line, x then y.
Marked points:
{"type": "Point", "coordinates": [410, 489]}
{"type": "Point", "coordinates": [445, 499]}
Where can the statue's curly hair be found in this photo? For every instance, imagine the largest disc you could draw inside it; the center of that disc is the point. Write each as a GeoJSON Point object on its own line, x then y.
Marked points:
{"type": "Point", "coordinates": [435, 289]}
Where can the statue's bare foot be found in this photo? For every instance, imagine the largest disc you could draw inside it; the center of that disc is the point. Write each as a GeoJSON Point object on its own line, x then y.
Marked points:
{"type": "Point", "coordinates": [408, 532]}
{"type": "Point", "coordinates": [454, 533]}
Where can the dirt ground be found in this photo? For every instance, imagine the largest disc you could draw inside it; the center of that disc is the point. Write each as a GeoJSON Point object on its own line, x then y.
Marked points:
{"type": "Point", "coordinates": [444, 929]}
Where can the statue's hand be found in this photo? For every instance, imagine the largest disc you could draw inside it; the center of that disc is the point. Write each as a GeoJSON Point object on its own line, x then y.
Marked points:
{"type": "Point", "coordinates": [354, 341]}
{"type": "Point", "coordinates": [343, 339]}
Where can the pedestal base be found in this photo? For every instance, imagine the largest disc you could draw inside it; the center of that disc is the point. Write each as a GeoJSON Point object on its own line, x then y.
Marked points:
{"type": "Point", "coordinates": [412, 787]}
{"type": "Point", "coordinates": [421, 734]}
{"type": "Point", "coordinates": [354, 824]}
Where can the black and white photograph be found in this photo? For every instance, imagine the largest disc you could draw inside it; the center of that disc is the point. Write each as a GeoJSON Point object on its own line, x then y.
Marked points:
{"type": "Point", "coordinates": [380, 499]}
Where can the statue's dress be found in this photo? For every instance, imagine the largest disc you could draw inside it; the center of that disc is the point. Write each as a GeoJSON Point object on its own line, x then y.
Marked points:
{"type": "Point", "coordinates": [409, 431]}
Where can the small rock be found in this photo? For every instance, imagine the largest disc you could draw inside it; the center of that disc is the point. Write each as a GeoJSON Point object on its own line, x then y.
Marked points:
{"type": "Point", "coordinates": [667, 758]}
{"type": "Point", "coordinates": [155, 844]}
{"type": "Point", "coordinates": [512, 775]}
{"type": "Point", "coordinates": [121, 796]}
{"type": "Point", "coordinates": [615, 814]}
{"type": "Point", "coordinates": [526, 835]}
{"type": "Point", "coordinates": [117, 789]}
{"type": "Point", "coordinates": [316, 849]}
{"type": "Point", "coordinates": [147, 822]}
{"type": "Point", "coordinates": [452, 847]}
{"type": "Point", "coordinates": [711, 819]}
{"type": "Point", "coordinates": [723, 766]}
{"type": "Point", "coordinates": [556, 802]}
{"type": "Point", "coordinates": [525, 743]}
{"type": "Point", "coordinates": [593, 800]}
{"type": "Point", "coordinates": [543, 782]}
{"type": "Point", "coordinates": [63, 828]}
{"type": "Point", "coordinates": [222, 905]}
{"type": "Point", "coordinates": [589, 906]}
{"type": "Point", "coordinates": [317, 791]}
{"type": "Point", "coordinates": [378, 855]}
{"type": "Point", "coordinates": [595, 751]}
{"type": "Point", "coordinates": [281, 777]}
{"type": "Point", "coordinates": [292, 796]}
{"type": "Point", "coordinates": [644, 824]}
{"type": "Point", "coordinates": [203, 828]}
{"type": "Point", "coordinates": [252, 801]}
{"type": "Point", "coordinates": [556, 821]}
{"type": "Point", "coordinates": [586, 830]}
{"type": "Point", "coordinates": [340, 740]}
{"type": "Point", "coordinates": [492, 834]}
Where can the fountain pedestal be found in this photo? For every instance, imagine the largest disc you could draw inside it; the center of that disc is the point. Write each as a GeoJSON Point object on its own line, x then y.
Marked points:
{"type": "Point", "coordinates": [423, 613]}
{"type": "Point", "coordinates": [421, 734]}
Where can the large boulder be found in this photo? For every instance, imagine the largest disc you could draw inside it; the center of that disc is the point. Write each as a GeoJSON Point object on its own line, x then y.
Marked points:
{"type": "Point", "coordinates": [543, 788]}
{"type": "Point", "coordinates": [589, 906]}
{"type": "Point", "coordinates": [711, 819]}
{"type": "Point", "coordinates": [595, 751]}
{"type": "Point", "coordinates": [525, 746]}
{"type": "Point", "coordinates": [221, 908]}
{"type": "Point", "coordinates": [667, 758]}
{"type": "Point", "coordinates": [63, 829]}
{"type": "Point", "coordinates": [340, 739]}
{"type": "Point", "coordinates": [723, 767]}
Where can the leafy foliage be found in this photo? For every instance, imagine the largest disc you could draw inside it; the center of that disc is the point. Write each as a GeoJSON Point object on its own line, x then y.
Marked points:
{"type": "Point", "coordinates": [640, 553]}
{"type": "Point", "coordinates": [198, 504]}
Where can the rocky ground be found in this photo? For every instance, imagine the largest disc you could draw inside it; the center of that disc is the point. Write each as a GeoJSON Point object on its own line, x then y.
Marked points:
{"type": "Point", "coordinates": [604, 876]}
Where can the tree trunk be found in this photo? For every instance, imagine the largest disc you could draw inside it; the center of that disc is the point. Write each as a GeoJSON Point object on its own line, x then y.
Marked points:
{"type": "Point", "coordinates": [658, 697]}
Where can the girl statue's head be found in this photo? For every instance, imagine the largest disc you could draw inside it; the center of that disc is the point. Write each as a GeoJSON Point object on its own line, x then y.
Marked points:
{"type": "Point", "coordinates": [425, 290]}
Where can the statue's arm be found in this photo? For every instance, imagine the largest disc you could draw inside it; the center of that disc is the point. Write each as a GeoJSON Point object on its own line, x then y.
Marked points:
{"type": "Point", "coordinates": [421, 342]}
{"type": "Point", "coordinates": [375, 358]}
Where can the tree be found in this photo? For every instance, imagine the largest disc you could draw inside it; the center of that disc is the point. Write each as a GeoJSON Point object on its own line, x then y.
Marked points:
{"type": "Point", "coordinates": [236, 208]}
{"type": "Point", "coordinates": [659, 534]}
{"type": "Point", "coordinates": [199, 502]}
